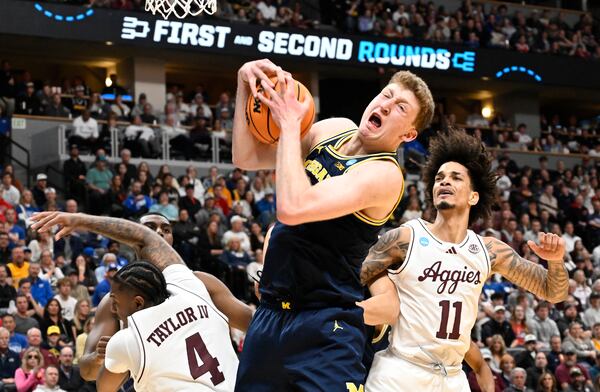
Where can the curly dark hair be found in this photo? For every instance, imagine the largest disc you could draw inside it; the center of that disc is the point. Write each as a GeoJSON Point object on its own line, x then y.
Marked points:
{"type": "Point", "coordinates": [456, 145]}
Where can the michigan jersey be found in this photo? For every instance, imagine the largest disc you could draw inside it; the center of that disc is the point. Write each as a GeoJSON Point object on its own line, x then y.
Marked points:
{"type": "Point", "coordinates": [439, 285]}
{"type": "Point", "coordinates": [180, 345]}
{"type": "Point", "coordinates": [317, 264]}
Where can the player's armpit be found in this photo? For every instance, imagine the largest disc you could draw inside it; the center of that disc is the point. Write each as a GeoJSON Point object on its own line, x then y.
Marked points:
{"type": "Point", "coordinates": [390, 250]}
{"type": "Point", "coordinates": [106, 325]}
{"type": "Point", "coordinates": [551, 284]}
{"type": "Point", "coordinates": [238, 313]}
{"type": "Point", "coordinates": [484, 375]}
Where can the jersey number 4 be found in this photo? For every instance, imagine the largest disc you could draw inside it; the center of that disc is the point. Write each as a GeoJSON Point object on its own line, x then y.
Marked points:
{"type": "Point", "coordinates": [442, 333]}
{"type": "Point", "coordinates": [194, 344]}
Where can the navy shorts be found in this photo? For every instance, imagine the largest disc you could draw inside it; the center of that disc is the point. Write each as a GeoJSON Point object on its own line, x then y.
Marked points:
{"type": "Point", "coordinates": [308, 350]}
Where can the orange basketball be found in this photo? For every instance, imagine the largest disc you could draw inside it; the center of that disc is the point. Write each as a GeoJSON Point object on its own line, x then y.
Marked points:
{"type": "Point", "coordinates": [259, 119]}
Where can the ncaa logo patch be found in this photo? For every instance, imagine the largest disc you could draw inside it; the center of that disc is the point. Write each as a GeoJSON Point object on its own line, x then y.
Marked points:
{"type": "Point", "coordinates": [473, 248]}
{"type": "Point", "coordinates": [424, 241]}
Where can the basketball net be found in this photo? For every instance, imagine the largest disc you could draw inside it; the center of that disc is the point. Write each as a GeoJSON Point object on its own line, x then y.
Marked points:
{"type": "Point", "coordinates": [181, 8]}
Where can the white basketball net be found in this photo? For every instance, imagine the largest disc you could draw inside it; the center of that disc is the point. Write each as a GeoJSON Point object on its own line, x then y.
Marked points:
{"type": "Point", "coordinates": [181, 8]}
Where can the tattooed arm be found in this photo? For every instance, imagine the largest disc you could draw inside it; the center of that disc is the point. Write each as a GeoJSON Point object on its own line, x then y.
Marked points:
{"type": "Point", "coordinates": [551, 284]}
{"type": "Point", "coordinates": [149, 245]}
{"type": "Point", "coordinates": [389, 250]}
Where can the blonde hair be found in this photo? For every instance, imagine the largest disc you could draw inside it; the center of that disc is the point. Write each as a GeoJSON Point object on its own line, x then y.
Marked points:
{"type": "Point", "coordinates": [24, 365]}
{"type": "Point", "coordinates": [419, 88]}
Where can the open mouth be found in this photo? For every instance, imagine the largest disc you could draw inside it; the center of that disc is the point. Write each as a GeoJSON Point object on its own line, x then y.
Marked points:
{"type": "Point", "coordinates": [445, 192]}
{"type": "Point", "coordinates": [375, 120]}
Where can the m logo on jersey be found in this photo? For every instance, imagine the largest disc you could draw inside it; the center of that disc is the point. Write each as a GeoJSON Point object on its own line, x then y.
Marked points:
{"type": "Point", "coordinates": [351, 387]}
{"type": "Point", "coordinates": [449, 279]}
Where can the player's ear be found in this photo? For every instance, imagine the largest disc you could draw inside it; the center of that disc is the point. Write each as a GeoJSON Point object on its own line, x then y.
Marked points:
{"type": "Point", "coordinates": [139, 302]}
{"type": "Point", "coordinates": [473, 198]}
{"type": "Point", "coordinates": [410, 135]}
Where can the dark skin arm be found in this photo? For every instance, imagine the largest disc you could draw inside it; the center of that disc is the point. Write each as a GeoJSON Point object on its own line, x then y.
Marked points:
{"type": "Point", "coordinates": [238, 313]}
{"type": "Point", "coordinates": [484, 375]}
{"type": "Point", "coordinates": [148, 244]}
{"type": "Point", "coordinates": [390, 250]}
{"type": "Point", "coordinates": [106, 325]}
{"type": "Point", "coordinates": [109, 381]}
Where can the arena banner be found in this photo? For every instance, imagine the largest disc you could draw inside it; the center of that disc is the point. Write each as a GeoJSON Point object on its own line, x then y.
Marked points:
{"type": "Point", "coordinates": [211, 35]}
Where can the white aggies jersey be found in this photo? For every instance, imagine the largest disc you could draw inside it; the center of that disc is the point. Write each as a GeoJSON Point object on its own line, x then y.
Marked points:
{"type": "Point", "coordinates": [439, 285]}
{"type": "Point", "coordinates": [180, 345]}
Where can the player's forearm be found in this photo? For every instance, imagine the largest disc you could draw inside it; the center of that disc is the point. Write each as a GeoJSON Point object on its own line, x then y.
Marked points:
{"type": "Point", "coordinates": [89, 365]}
{"type": "Point", "coordinates": [485, 379]}
{"type": "Point", "coordinates": [291, 180]}
{"type": "Point", "coordinates": [389, 249]}
{"type": "Point", "coordinates": [381, 309]}
{"type": "Point", "coordinates": [148, 244]}
{"type": "Point", "coordinates": [247, 152]}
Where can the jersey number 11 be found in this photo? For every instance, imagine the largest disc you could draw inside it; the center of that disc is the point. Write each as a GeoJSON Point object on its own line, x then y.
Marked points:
{"type": "Point", "coordinates": [442, 332]}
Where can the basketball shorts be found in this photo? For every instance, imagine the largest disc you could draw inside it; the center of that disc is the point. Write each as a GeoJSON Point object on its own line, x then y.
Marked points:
{"type": "Point", "coordinates": [306, 350]}
{"type": "Point", "coordinates": [391, 373]}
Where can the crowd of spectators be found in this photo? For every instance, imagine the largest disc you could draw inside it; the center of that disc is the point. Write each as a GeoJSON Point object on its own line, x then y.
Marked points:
{"type": "Point", "coordinates": [473, 24]}
{"type": "Point", "coordinates": [187, 122]}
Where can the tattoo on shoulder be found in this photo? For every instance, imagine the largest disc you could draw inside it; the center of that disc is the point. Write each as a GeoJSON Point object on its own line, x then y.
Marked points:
{"type": "Point", "coordinates": [389, 250]}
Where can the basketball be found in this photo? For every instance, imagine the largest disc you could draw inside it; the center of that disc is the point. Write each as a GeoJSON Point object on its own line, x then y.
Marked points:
{"type": "Point", "coordinates": [259, 119]}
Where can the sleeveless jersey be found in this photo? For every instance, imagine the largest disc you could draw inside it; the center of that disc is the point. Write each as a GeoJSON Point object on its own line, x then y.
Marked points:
{"type": "Point", "coordinates": [183, 343]}
{"type": "Point", "coordinates": [439, 285]}
{"type": "Point", "coordinates": [317, 264]}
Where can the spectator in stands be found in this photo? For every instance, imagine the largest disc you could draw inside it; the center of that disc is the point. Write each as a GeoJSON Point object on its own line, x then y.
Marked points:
{"type": "Point", "coordinates": [18, 267]}
{"type": "Point", "coordinates": [53, 317]}
{"type": "Point", "coordinates": [17, 342]}
{"type": "Point", "coordinates": [67, 302]}
{"type": "Point", "coordinates": [120, 108]}
{"type": "Point", "coordinates": [579, 382]}
{"type": "Point", "coordinates": [74, 171]}
{"type": "Point", "coordinates": [563, 371]}
{"type": "Point", "coordinates": [507, 364]}
{"type": "Point", "coordinates": [7, 88]}
{"type": "Point", "coordinates": [39, 190]}
{"type": "Point", "coordinates": [28, 103]}
{"type": "Point", "coordinates": [199, 108]}
{"type": "Point", "coordinates": [31, 372]}
{"type": "Point", "coordinates": [165, 208]}
{"type": "Point", "coordinates": [498, 325]}
{"type": "Point", "coordinates": [526, 358]}
{"type": "Point", "coordinates": [103, 287]}
{"type": "Point", "coordinates": [190, 203]}
{"type": "Point", "coordinates": [16, 233]}
{"type": "Point", "coordinates": [185, 238]}
{"type": "Point", "coordinates": [266, 208]}
{"type": "Point", "coordinates": [85, 131]}
{"type": "Point", "coordinates": [26, 207]}
{"type": "Point", "coordinates": [40, 289]}
{"type": "Point", "coordinates": [51, 376]}
{"type": "Point", "coordinates": [69, 378]}
{"type": "Point", "coordinates": [82, 315]}
{"type": "Point", "coordinates": [518, 378]}
{"type": "Point", "coordinates": [5, 251]}
{"type": "Point", "coordinates": [136, 204]}
{"type": "Point", "coordinates": [98, 180]}
{"type": "Point", "coordinates": [79, 103]}
{"type": "Point", "coordinates": [138, 108]}
{"type": "Point", "coordinates": [9, 192]}
{"type": "Point", "coordinates": [577, 341]}
{"type": "Point", "coordinates": [9, 362]}
{"type": "Point", "coordinates": [107, 259]}
{"type": "Point", "coordinates": [178, 137]}
{"type": "Point", "coordinates": [7, 292]}
{"type": "Point", "coordinates": [148, 116]}
{"type": "Point", "coordinates": [140, 139]}
{"type": "Point", "coordinates": [237, 231]}
{"type": "Point", "coordinates": [78, 289]}
{"type": "Point", "coordinates": [56, 108]}
{"type": "Point", "coordinates": [235, 260]}
{"type": "Point", "coordinates": [537, 370]}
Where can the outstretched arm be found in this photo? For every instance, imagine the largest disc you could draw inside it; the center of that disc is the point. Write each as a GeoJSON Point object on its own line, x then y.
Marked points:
{"type": "Point", "coordinates": [148, 245]}
{"type": "Point", "coordinates": [551, 284]}
{"type": "Point", "coordinates": [389, 250]}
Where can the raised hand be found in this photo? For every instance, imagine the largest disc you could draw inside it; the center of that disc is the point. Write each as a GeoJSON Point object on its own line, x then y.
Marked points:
{"type": "Point", "coordinates": [45, 221]}
{"type": "Point", "coordinates": [284, 105]}
{"type": "Point", "coordinates": [551, 247]}
{"type": "Point", "coordinates": [260, 70]}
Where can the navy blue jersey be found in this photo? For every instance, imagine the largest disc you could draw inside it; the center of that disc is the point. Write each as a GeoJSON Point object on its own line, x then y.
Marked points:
{"type": "Point", "coordinates": [317, 264]}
